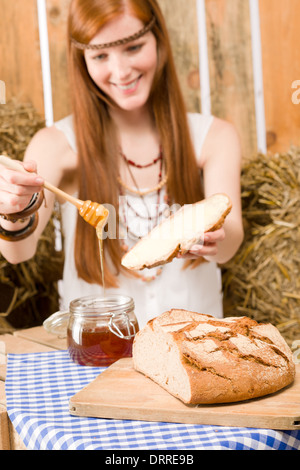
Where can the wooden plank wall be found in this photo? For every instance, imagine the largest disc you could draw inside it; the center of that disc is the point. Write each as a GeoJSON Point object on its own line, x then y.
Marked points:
{"type": "Point", "coordinates": [280, 33]}
{"type": "Point", "coordinates": [20, 66]}
{"type": "Point", "coordinates": [230, 66]}
{"type": "Point", "coordinates": [229, 53]}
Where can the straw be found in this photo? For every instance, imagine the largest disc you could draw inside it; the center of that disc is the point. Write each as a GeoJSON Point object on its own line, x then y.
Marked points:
{"type": "Point", "coordinates": [263, 280]}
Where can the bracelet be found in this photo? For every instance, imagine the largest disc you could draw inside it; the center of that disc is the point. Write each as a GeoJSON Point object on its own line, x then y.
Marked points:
{"type": "Point", "coordinates": [17, 235]}
{"type": "Point", "coordinates": [34, 204]}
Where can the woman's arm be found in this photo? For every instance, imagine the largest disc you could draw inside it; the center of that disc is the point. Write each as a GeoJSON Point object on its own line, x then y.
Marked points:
{"type": "Point", "coordinates": [221, 165]}
{"type": "Point", "coordinates": [41, 160]}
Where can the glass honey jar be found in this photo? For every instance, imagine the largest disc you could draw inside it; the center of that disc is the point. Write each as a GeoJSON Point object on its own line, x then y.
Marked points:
{"type": "Point", "coordinates": [101, 329]}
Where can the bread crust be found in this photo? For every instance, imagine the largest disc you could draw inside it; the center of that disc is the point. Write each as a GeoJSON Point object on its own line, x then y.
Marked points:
{"type": "Point", "coordinates": [213, 360]}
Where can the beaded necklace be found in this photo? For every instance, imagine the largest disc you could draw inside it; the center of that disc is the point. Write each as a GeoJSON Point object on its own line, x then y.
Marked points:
{"type": "Point", "coordinates": [147, 165]}
{"type": "Point", "coordinates": [136, 190]}
{"type": "Point", "coordinates": [152, 219]}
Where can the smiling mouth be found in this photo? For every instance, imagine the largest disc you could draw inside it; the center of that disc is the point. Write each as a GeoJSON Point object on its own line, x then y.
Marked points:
{"type": "Point", "coordinates": [128, 86]}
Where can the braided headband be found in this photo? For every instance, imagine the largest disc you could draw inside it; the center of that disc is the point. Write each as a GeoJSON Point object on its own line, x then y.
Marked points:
{"type": "Point", "coordinates": [119, 42]}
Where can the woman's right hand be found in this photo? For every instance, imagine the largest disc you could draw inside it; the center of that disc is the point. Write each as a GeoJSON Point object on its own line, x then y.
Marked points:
{"type": "Point", "coordinates": [17, 187]}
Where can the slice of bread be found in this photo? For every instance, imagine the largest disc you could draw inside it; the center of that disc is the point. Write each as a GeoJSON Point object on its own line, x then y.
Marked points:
{"type": "Point", "coordinates": [178, 233]}
{"type": "Point", "coordinates": [203, 360]}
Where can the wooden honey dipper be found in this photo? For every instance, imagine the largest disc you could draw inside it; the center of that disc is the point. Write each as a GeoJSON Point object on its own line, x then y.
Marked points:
{"type": "Point", "coordinates": [92, 212]}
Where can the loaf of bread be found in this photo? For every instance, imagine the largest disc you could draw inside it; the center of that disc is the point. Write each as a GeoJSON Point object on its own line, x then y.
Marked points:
{"type": "Point", "coordinates": [178, 233]}
{"type": "Point", "coordinates": [203, 360]}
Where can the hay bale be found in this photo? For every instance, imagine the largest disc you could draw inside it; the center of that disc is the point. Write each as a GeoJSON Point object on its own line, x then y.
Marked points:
{"type": "Point", "coordinates": [262, 281]}
{"type": "Point", "coordinates": [28, 291]}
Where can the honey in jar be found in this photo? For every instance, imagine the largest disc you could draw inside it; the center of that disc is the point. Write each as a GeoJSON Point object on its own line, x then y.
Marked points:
{"type": "Point", "coordinates": [101, 329]}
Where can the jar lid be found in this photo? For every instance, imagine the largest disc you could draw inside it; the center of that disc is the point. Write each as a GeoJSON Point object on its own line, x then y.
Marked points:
{"type": "Point", "coordinates": [57, 324]}
{"type": "Point", "coordinates": [113, 303]}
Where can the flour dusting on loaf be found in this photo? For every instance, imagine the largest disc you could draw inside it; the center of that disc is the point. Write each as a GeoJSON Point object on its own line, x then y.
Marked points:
{"type": "Point", "coordinates": [203, 360]}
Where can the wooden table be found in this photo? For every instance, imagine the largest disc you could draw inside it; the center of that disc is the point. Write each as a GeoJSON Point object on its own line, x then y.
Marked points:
{"type": "Point", "coordinates": [22, 341]}
{"type": "Point", "coordinates": [33, 340]}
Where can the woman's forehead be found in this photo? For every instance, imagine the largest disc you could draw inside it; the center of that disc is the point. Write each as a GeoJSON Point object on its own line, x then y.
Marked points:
{"type": "Point", "coordinates": [120, 30]}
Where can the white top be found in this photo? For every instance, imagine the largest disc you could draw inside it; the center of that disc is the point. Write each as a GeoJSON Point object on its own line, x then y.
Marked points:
{"type": "Point", "coordinates": [198, 289]}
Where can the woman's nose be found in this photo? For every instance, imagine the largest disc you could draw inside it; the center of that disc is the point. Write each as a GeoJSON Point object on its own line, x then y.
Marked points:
{"type": "Point", "coordinates": [119, 67]}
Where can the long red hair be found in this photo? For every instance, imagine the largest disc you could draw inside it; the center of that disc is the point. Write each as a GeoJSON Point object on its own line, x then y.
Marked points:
{"type": "Point", "coordinates": [98, 155]}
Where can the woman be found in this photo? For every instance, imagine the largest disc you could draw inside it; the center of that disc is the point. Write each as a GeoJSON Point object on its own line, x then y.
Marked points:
{"type": "Point", "coordinates": [130, 144]}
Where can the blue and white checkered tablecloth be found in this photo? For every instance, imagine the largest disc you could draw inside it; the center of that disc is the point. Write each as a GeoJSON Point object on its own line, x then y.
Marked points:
{"type": "Point", "coordinates": [38, 389]}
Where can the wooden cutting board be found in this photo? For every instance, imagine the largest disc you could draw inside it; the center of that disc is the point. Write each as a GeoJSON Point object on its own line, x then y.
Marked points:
{"type": "Point", "coordinates": [122, 393]}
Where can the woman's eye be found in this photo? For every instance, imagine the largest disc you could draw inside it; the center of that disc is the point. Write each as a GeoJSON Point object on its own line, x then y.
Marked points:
{"type": "Point", "coordinates": [135, 47]}
{"type": "Point", "coordinates": [100, 57]}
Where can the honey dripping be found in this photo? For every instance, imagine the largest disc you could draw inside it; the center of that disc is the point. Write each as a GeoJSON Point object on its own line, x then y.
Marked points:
{"type": "Point", "coordinates": [96, 215]}
{"type": "Point", "coordinates": [99, 232]}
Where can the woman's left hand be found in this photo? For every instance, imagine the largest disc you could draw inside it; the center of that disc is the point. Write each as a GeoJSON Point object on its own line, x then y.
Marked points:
{"type": "Point", "coordinates": [206, 247]}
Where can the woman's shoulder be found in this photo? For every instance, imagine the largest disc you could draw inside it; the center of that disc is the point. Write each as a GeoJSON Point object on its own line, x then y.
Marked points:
{"type": "Point", "coordinates": [213, 123]}
{"type": "Point", "coordinates": [48, 135]}
{"type": "Point", "coordinates": [50, 146]}
{"type": "Point", "coordinates": [216, 124]}
{"type": "Point", "coordinates": [222, 133]}
{"type": "Point", "coordinates": [211, 135]}
{"type": "Point", "coordinates": [222, 139]}
{"type": "Point", "coordinates": [53, 138]}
